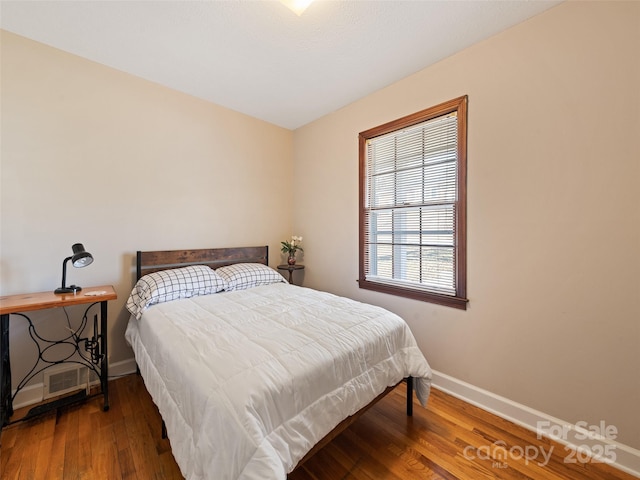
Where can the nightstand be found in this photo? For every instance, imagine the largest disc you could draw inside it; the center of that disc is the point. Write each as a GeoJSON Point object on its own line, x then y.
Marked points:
{"type": "Point", "coordinates": [89, 352]}
{"type": "Point", "coordinates": [290, 268]}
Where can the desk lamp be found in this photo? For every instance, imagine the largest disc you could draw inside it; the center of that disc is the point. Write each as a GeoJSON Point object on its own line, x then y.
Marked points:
{"type": "Point", "coordinates": [80, 258]}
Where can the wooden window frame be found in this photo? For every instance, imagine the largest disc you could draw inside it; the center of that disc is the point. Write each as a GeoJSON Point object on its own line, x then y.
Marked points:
{"type": "Point", "coordinates": [458, 300]}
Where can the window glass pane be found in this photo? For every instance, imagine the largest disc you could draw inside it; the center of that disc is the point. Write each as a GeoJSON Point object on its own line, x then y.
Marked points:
{"type": "Point", "coordinates": [438, 268]}
{"type": "Point", "coordinates": [381, 227]}
{"type": "Point", "coordinates": [383, 261]}
{"type": "Point", "coordinates": [384, 153]}
{"type": "Point", "coordinates": [383, 190]}
{"type": "Point", "coordinates": [409, 149]}
{"type": "Point", "coordinates": [439, 182]}
{"type": "Point", "coordinates": [438, 225]}
{"type": "Point", "coordinates": [406, 226]}
{"type": "Point", "coordinates": [409, 187]}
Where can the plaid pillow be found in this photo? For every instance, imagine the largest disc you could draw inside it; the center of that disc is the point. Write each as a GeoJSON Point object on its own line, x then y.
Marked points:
{"type": "Point", "coordinates": [241, 276]}
{"type": "Point", "coordinates": [168, 285]}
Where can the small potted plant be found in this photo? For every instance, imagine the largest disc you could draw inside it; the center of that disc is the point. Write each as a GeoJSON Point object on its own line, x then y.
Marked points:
{"type": "Point", "coordinates": [291, 247]}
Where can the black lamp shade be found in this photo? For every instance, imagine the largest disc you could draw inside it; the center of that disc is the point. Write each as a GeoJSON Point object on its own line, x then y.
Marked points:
{"type": "Point", "coordinates": [80, 258]}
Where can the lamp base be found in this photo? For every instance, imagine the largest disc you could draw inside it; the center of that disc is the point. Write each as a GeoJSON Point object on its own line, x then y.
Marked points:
{"type": "Point", "coordinates": [69, 289]}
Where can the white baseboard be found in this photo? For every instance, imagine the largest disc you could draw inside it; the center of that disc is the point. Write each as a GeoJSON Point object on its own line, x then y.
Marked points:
{"type": "Point", "coordinates": [35, 393]}
{"type": "Point", "coordinates": [582, 439]}
{"type": "Point", "coordinates": [28, 396]}
{"type": "Point", "coordinates": [125, 367]}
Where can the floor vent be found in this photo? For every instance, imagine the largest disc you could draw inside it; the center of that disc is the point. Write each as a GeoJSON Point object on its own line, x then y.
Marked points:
{"type": "Point", "coordinates": [60, 381]}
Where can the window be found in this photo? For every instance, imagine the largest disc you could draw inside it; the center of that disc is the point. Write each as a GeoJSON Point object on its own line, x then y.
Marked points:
{"type": "Point", "coordinates": [413, 205]}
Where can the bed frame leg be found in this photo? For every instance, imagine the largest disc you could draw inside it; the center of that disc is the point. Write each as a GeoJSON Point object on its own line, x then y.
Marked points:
{"type": "Point", "coordinates": [409, 396]}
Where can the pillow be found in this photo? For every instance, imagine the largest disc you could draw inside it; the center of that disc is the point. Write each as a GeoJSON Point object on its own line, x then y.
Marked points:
{"type": "Point", "coordinates": [241, 276]}
{"type": "Point", "coordinates": [167, 285]}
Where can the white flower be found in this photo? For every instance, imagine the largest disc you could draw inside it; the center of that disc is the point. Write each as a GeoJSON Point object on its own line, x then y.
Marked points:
{"type": "Point", "coordinates": [292, 246]}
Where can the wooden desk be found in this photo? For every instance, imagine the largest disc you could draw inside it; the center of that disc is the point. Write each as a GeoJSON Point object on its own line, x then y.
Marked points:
{"type": "Point", "coordinates": [94, 350]}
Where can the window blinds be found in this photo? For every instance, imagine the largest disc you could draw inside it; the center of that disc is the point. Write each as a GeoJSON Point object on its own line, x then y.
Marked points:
{"type": "Point", "coordinates": [410, 206]}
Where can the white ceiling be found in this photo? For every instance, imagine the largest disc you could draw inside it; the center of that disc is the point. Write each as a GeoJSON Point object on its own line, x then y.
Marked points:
{"type": "Point", "coordinates": [258, 57]}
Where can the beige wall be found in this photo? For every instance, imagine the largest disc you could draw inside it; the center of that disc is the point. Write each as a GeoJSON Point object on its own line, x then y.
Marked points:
{"type": "Point", "coordinates": [90, 154]}
{"type": "Point", "coordinates": [553, 214]}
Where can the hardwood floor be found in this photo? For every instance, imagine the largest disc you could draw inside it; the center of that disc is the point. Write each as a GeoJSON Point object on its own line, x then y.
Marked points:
{"type": "Point", "coordinates": [450, 439]}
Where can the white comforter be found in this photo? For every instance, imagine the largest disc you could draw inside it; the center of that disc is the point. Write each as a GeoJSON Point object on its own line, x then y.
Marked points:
{"type": "Point", "coordinates": [248, 381]}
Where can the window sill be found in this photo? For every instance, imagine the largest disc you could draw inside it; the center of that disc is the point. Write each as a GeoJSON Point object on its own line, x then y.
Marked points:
{"type": "Point", "coordinates": [445, 300]}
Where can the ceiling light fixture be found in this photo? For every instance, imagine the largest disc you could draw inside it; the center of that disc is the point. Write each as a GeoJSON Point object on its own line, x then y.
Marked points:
{"type": "Point", "coordinates": [297, 6]}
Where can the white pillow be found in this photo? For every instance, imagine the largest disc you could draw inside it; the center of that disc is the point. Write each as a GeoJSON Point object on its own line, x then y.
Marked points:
{"type": "Point", "coordinates": [167, 285]}
{"type": "Point", "coordinates": [241, 276]}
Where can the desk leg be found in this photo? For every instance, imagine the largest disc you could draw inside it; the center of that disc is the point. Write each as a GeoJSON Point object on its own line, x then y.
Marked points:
{"type": "Point", "coordinates": [6, 404]}
{"type": "Point", "coordinates": [104, 367]}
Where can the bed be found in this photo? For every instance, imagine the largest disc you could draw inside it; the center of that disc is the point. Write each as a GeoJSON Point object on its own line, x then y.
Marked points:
{"type": "Point", "coordinates": [250, 374]}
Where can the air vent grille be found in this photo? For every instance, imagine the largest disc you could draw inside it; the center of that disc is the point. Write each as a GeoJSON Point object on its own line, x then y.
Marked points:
{"type": "Point", "coordinates": [58, 382]}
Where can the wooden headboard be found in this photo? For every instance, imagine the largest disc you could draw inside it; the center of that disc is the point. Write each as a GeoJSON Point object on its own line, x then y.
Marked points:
{"type": "Point", "coordinates": [153, 261]}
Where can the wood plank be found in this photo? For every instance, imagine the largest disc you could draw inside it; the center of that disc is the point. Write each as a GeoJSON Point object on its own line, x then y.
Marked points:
{"type": "Point", "coordinates": [55, 465]}
{"type": "Point", "coordinates": [45, 446]}
{"type": "Point", "coordinates": [153, 261]}
{"type": "Point", "coordinates": [72, 445]}
{"type": "Point", "coordinates": [39, 301]}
